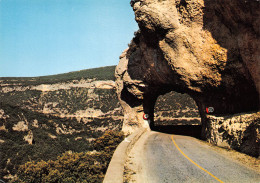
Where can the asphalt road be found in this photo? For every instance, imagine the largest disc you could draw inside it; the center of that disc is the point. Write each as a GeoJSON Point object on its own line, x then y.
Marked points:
{"type": "Point", "coordinates": [158, 157]}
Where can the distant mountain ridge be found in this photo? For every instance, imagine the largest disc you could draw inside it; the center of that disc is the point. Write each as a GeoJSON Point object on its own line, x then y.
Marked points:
{"type": "Point", "coordinates": [101, 73]}
{"type": "Point", "coordinates": [43, 117]}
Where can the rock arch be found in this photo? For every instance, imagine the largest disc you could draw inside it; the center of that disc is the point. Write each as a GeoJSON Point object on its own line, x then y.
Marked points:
{"type": "Point", "coordinates": [207, 49]}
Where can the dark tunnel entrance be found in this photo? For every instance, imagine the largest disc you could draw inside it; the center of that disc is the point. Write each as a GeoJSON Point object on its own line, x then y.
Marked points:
{"type": "Point", "coordinates": [176, 113]}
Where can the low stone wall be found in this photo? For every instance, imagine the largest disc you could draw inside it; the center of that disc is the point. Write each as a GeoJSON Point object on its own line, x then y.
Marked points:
{"type": "Point", "coordinates": [115, 171]}
{"type": "Point", "coordinates": [239, 132]}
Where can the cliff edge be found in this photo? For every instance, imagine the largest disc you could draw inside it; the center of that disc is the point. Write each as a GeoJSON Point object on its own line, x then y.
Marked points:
{"type": "Point", "coordinates": [207, 49]}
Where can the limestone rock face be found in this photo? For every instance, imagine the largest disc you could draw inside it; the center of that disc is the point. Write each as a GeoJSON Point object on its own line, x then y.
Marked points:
{"type": "Point", "coordinates": [240, 132]}
{"type": "Point", "coordinates": [29, 137]}
{"type": "Point", "coordinates": [207, 49]}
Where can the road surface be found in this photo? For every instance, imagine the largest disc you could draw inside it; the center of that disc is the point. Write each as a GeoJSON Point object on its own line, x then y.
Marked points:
{"type": "Point", "coordinates": [158, 157]}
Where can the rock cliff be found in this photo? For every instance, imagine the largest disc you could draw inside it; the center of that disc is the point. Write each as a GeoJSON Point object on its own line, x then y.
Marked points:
{"type": "Point", "coordinates": [207, 49]}
{"type": "Point", "coordinates": [43, 117]}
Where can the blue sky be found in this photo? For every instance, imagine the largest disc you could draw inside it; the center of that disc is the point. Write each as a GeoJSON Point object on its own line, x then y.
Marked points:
{"type": "Point", "coordinates": [44, 37]}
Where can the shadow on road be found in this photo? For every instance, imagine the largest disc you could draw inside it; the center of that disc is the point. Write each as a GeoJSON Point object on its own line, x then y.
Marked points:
{"type": "Point", "coordinates": [187, 130]}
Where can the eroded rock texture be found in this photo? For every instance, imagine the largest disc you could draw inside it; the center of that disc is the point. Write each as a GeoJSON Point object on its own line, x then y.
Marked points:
{"type": "Point", "coordinates": [208, 49]}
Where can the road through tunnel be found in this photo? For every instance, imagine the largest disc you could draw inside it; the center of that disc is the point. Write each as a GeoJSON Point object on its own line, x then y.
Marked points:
{"type": "Point", "coordinates": [176, 113]}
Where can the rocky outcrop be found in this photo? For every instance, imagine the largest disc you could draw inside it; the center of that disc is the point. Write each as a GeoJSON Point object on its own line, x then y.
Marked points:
{"type": "Point", "coordinates": [239, 131]}
{"type": "Point", "coordinates": [207, 49]}
{"type": "Point", "coordinates": [29, 137]}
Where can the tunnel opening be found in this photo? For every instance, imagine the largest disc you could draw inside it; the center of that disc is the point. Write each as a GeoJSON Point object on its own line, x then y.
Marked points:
{"type": "Point", "coordinates": [176, 113]}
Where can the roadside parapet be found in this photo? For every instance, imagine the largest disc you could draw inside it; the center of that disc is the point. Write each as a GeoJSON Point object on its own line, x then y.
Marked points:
{"type": "Point", "coordinates": [115, 169]}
